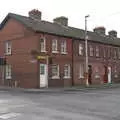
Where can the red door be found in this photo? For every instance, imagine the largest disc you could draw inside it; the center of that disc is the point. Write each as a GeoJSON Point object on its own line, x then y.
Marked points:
{"type": "Point", "coordinates": [106, 75]}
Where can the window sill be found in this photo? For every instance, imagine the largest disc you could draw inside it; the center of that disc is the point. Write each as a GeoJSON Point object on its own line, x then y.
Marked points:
{"type": "Point", "coordinates": [8, 78]}
{"type": "Point", "coordinates": [64, 53]}
{"type": "Point", "coordinates": [56, 77]}
{"type": "Point", "coordinates": [43, 51]}
{"type": "Point", "coordinates": [8, 54]}
{"type": "Point", "coordinates": [81, 77]}
{"type": "Point", "coordinates": [55, 52]}
{"type": "Point", "coordinates": [91, 55]}
{"type": "Point", "coordinates": [66, 77]}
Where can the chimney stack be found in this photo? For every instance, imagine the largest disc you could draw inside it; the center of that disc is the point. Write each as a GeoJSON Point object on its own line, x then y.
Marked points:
{"type": "Point", "coordinates": [61, 20]}
{"type": "Point", "coordinates": [35, 14]}
{"type": "Point", "coordinates": [100, 30]}
{"type": "Point", "coordinates": [112, 33]}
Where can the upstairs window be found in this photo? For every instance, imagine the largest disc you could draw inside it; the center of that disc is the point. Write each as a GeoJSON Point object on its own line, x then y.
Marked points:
{"type": "Point", "coordinates": [104, 52]}
{"type": "Point", "coordinates": [43, 44]}
{"type": "Point", "coordinates": [97, 51]}
{"type": "Point", "coordinates": [108, 52]}
{"type": "Point", "coordinates": [115, 53]}
{"type": "Point", "coordinates": [91, 50]}
{"type": "Point", "coordinates": [8, 48]}
{"type": "Point", "coordinates": [67, 71]}
{"type": "Point", "coordinates": [119, 53]}
{"type": "Point", "coordinates": [81, 49]}
{"type": "Point", "coordinates": [63, 47]}
{"type": "Point", "coordinates": [54, 46]}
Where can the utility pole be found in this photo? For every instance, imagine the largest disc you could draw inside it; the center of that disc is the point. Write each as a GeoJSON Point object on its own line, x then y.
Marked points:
{"type": "Point", "coordinates": [86, 52]}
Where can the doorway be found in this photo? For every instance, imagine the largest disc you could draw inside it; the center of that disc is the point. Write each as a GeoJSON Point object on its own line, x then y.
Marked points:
{"type": "Point", "coordinates": [43, 75]}
{"type": "Point", "coordinates": [90, 74]}
{"type": "Point", "coordinates": [109, 74]}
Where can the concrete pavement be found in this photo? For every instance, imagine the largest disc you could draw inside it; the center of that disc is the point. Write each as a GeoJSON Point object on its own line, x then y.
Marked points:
{"type": "Point", "coordinates": [102, 104]}
{"type": "Point", "coordinates": [65, 89]}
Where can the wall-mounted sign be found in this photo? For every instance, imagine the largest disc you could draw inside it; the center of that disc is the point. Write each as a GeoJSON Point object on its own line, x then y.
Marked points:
{"type": "Point", "coordinates": [41, 57]}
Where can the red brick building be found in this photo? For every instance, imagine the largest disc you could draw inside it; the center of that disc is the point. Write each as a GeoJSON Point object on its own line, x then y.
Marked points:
{"type": "Point", "coordinates": [39, 53]}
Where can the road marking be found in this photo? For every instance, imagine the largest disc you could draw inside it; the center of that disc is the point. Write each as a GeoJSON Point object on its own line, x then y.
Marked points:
{"type": "Point", "coordinates": [9, 115]}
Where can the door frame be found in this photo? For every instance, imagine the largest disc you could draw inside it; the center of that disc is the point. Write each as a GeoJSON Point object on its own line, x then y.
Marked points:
{"type": "Point", "coordinates": [46, 77]}
{"type": "Point", "coordinates": [109, 74]}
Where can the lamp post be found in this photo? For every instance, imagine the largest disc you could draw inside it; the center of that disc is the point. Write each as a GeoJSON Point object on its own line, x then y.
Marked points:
{"type": "Point", "coordinates": [86, 52]}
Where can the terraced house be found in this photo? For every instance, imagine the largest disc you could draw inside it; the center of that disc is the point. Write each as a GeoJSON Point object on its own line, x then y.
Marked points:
{"type": "Point", "coordinates": [38, 53]}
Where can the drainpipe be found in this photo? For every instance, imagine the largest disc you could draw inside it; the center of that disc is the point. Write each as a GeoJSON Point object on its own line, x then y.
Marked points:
{"type": "Point", "coordinates": [72, 62]}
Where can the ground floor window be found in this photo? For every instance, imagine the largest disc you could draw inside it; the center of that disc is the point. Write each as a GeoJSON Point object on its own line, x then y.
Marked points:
{"type": "Point", "coordinates": [55, 71]}
{"type": "Point", "coordinates": [81, 71]}
{"type": "Point", "coordinates": [97, 71]}
{"type": "Point", "coordinates": [8, 72]}
{"type": "Point", "coordinates": [67, 71]}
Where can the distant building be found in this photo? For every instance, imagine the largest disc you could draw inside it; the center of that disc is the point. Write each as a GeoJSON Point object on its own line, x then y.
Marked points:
{"type": "Point", "coordinates": [39, 53]}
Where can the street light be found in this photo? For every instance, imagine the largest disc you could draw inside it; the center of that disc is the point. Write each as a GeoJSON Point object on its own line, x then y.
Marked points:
{"type": "Point", "coordinates": [86, 52]}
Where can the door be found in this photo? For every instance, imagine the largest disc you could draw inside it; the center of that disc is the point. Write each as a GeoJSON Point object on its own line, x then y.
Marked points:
{"type": "Point", "coordinates": [43, 75]}
{"type": "Point", "coordinates": [105, 74]}
{"type": "Point", "coordinates": [109, 74]}
{"type": "Point", "coordinates": [90, 74]}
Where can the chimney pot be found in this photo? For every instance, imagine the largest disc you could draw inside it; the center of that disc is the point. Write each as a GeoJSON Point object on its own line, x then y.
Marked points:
{"type": "Point", "coordinates": [112, 33]}
{"type": "Point", "coordinates": [100, 30]}
{"type": "Point", "coordinates": [35, 14]}
{"type": "Point", "coordinates": [61, 20]}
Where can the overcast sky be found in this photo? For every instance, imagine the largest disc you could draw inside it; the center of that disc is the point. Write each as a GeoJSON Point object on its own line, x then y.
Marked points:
{"type": "Point", "coordinates": [102, 12]}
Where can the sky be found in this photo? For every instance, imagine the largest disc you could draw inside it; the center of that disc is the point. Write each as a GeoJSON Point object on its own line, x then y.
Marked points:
{"type": "Point", "coordinates": [102, 12]}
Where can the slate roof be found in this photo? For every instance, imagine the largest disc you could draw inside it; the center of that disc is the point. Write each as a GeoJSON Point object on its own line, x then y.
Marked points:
{"type": "Point", "coordinates": [67, 31]}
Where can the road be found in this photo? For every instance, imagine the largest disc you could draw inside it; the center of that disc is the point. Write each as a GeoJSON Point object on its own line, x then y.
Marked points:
{"type": "Point", "coordinates": [74, 105]}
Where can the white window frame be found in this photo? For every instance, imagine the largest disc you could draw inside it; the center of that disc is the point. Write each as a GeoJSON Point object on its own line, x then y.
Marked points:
{"type": "Point", "coordinates": [43, 44]}
{"type": "Point", "coordinates": [81, 71]}
{"type": "Point", "coordinates": [118, 53]}
{"type": "Point", "coordinates": [91, 50]}
{"type": "Point", "coordinates": [115, 72]}
{"type": "Point", "coordinates": [104, 52]}
{"type": "Point", "coordinates": [67, 71]}
{"type": "Point", "coordinates": [54, 46]}
{"type": "Point", "coordinates": [97, 71]}
{"type": "Point", "coordinates": [115, 53]}
{"type": "Point", "coordinates": [8, 48]}
{"type": "Point", "coordinates": [97, 51]}
{"type": "Point", "coordinates": [81, 49]}
{"type": "Point", "coordinates": [8, 72]}
{"type": "Point", "coordinates": [64, 47]}
{"type": "Point", "coordinates": [57, 75]}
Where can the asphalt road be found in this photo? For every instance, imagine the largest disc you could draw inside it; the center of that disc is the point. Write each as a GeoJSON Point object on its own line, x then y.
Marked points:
{"type": "Point", "coordinates": [77, 105]}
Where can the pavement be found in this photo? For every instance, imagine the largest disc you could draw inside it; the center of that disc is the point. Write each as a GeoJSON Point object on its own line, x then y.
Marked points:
{"type": "Point", "coordinates": [65, 89]}
{"type": "Point", "coordinates": [83, 104]}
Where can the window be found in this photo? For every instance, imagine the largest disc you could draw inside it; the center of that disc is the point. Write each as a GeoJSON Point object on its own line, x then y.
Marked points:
{"type": "Point", "coordinates": [104, 52]}
{"type": "Point", "coordinates": [115, 54]}
{"type": "Point", "coordinates": [54, 46]}
{"type": "Point", "coordinates": [97, 72]}
{"type": "Point", "coordinates": [66, 71]}
{"type": "Point", "coordinates": [119, 53]}
{"type": "Point", "coordinates": [43, 44]}
{"type": "Point", "coordinates": [8, 72]}
{"type": "Point", "coordinates": [81, 71]}
{"type": "Point", "coordinates": [55, 71]}
{"type": "Point", "coordinates": [63, 47]}
{"type": "Point", "coordinates": [80, 49]}
{"type": "Point", "coordinates": [108, 52]}
{"type": "Point", "coordinates": [42, 69]}
{"type": "Point", "coordinates": [97, 51]}
{"type": "Point", "coordinates": [8, 48]}
{"type": "Point", "coordinates": [115, 72]}
{"type": "Point", "coordinates": [91, 50]}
